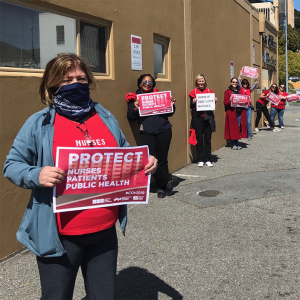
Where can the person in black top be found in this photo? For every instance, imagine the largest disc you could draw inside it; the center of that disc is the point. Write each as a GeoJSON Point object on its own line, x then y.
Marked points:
{"type": "Point", "coordinates": [156, 133]}
{"type": "Point", "coordinates": [203, 122]}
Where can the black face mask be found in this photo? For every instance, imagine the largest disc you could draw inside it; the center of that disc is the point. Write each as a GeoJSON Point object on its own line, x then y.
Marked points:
{"type": "Point", "coordinates": [73, 101]}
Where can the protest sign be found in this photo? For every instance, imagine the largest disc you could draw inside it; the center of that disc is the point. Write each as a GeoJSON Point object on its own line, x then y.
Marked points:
{"type": "Point", "coordinates": [273, 98]}
{"type": "Point", "coordinates": [205, 102]}
{"type": "Point", "coordinates": [250, 72]}
{"type": "Point", "coordinates": [292, 98]}
{"type": "Point", "coordinates": [155, 103]}
{"type": "Point", "coordinates": [100, 177]}
{"type": "Point", "coordinates": [238, 100]}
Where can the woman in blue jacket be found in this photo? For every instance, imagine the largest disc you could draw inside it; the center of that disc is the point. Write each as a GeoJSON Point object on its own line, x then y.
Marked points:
{"type": "Point", "coordinates": [66, 241]}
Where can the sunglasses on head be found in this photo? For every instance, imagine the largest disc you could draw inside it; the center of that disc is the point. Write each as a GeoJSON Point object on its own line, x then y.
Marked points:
{"type": "Point", "coordinates": [145, 82]}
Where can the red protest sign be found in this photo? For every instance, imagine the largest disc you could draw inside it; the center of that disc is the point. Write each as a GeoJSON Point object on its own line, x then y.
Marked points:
{"type": "Point", "coordinates": [250, 72]}
{"type": "Point", "coordinates": [155, 103]}
{"type": "Point", "coordinates": [238, 100]}
{"type": "Point", "coordinates": [99, 177]}
{"type": "Point", "coordinates": [275, 99]}
{"type": "Point", "coordinates": [292, 98]}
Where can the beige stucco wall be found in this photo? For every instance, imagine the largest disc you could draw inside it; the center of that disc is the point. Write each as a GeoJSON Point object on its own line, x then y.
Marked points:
{"type": "Point", "coordinates": [205, 36]}
{"type": "Point", "coordinates": [221, 34]}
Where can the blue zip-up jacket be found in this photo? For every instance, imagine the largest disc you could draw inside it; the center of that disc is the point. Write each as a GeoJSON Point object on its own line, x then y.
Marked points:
{"type": "Point", "coordinates": [30, 152]}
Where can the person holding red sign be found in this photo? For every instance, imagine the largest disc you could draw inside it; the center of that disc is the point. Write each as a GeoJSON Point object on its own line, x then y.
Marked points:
{"type": "Point", "coordinates": [247, 90]}
{"type": "Point", "coordinates": [280, 108]}
{"type": "Point", "coordinates": [68, 240]}
{"type": "Point", "coordinates": [235, 118]}
{"type": "Point", "coordinates": [203, 122]}
{"type": "Point", "coordinates": [155, 132]}
{"type": "Point", "coordinates": [261, 107]}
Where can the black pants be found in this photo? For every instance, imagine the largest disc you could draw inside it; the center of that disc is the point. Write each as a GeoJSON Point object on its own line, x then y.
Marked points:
{"type": "Point", "coordinates": [96, 253]}
{"type": "Point", "coordinates": [202, 129]}
{"type": "Point", "coordinates": [259, 109]}
{"type": "Point", "coordinates": [159, 145]}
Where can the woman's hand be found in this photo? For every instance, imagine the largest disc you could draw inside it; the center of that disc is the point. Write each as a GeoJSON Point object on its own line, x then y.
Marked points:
{"type": "Point", "coordinates": [194, 100]}
{"type": "Point", "coordinates": [151, 166]}
{"type": "Point", "coordinates": [173, 100]}
{"type": "Point", "coordinates": [136, 104]}
{"type": "Point", "coordinates": [51, 176]}
{"type": "Point", "coordinates": [240, 74]}
{"type": "Point", "coordinates": [216, 99]}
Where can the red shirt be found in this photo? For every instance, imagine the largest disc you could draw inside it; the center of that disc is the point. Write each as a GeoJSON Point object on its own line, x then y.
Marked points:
{"type": "Point", "coordinates": [281, 104]}
{"type": "Point", "coordinates": [66, 134]}
{"type": "Point", "coordinates": [264, 102]}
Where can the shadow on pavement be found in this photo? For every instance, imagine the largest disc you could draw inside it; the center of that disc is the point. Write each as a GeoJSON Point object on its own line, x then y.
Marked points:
{"type": "Point", "coordinates": [137, 283]}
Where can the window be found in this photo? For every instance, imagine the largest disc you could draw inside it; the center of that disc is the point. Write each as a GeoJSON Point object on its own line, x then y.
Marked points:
{"type": "Point", "coordinates": [30, 37]}
{"type": "Point", "coordinates": [93, 46]}
{"type": "Point", "coordinates": [60, 35]}
{"type": "Point", "coordinates": [161, 57]}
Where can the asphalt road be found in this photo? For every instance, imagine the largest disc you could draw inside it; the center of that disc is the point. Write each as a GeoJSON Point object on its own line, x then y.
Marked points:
{"type": "Point", "coordinates": [227, 232]}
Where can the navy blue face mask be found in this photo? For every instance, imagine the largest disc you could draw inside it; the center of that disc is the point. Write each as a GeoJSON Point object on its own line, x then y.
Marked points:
{"type": "Point", "coordinates": [73, 101]}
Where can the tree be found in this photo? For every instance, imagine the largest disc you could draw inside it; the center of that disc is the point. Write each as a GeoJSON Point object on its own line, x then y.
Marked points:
{"type": "Point", "coordinates": [293, 65]}
{"type": "Point", "coordinates": [297, 20]}
{"type": "Point", "coordinates": [293, 39]}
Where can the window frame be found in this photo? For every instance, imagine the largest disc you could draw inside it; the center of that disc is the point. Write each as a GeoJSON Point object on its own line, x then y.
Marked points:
{"type": "Point", "coordinates": [80, 17]}
{"type": "Point", "coordinates": [165, 42]}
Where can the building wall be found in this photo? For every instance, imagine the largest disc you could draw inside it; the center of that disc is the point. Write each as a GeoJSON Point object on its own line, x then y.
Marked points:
{"type": "Point", "coordinates": [281, 11]}
{"type": "Point", "coordinates": [205, 36]}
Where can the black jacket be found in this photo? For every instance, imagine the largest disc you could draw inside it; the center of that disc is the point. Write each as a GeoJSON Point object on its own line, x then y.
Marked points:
{"type": "Point", "coordinates": [150, 124]}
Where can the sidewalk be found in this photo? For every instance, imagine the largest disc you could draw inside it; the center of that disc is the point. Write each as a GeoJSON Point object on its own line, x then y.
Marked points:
{"type": "Point", "coordinates": [243, 243]}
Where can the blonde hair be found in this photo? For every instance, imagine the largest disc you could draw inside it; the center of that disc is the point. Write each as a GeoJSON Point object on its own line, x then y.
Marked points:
{"type": "Point", "coordinates": [55, 71]}
{"type": "Point", "coordinates": [198, 77]}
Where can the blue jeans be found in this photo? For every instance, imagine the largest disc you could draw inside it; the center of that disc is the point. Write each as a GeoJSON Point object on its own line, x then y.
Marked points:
{"type": "Point", "coordinates": [248, 119]}
{"type": "Point", "coordinates": [273, 113]}
{"type": "Point", "coordinates": [239, 117]}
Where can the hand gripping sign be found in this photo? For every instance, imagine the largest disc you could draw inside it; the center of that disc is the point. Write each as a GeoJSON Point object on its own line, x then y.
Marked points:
{"type": "Point", "coordinates": [238, 100]}
{"type": "Point", "coordinates": [205, 102]}
{"type": "Point", "coordinates": [100, 177]}
{"type": "Point", "coordinates": [250, 72]}
{"type": "Point", "coordinates": [155, 103]}
{"type": "Point", "coordinates": [292, 98]}
{"type": "Point", "coordinates": [273, 98]}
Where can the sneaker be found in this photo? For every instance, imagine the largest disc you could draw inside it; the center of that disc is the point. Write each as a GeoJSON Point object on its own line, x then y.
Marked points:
{"type": "Point", "coordinates": [249, 138]}
{"type": "Point", "coordinates": [268, 126]}
{"type": "Point", "coordinates": [209, 164]}
{"type": "Point", "coordinates": [256, 130]}
{"type": "Point", "coordinates": [235, 147]}
{"type": "Point", "coordinates": [276, 130]}
{"type": "Point", "coordinates": [161, 193]}
{"type": "Point", "coordinates": [282, 127]}
{"type": "Point", "coordinates": [200, 164]}
{"type": "Point", "coordinates": [169, 187]}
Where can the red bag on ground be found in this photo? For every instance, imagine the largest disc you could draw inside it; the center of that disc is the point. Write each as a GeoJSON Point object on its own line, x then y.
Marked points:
{"type": "Point", "coordinates": [192, 140]}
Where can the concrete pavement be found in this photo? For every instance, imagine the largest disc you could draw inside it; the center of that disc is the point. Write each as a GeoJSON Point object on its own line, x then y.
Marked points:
{"type": "Point", "coordinates": [241, 244]}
